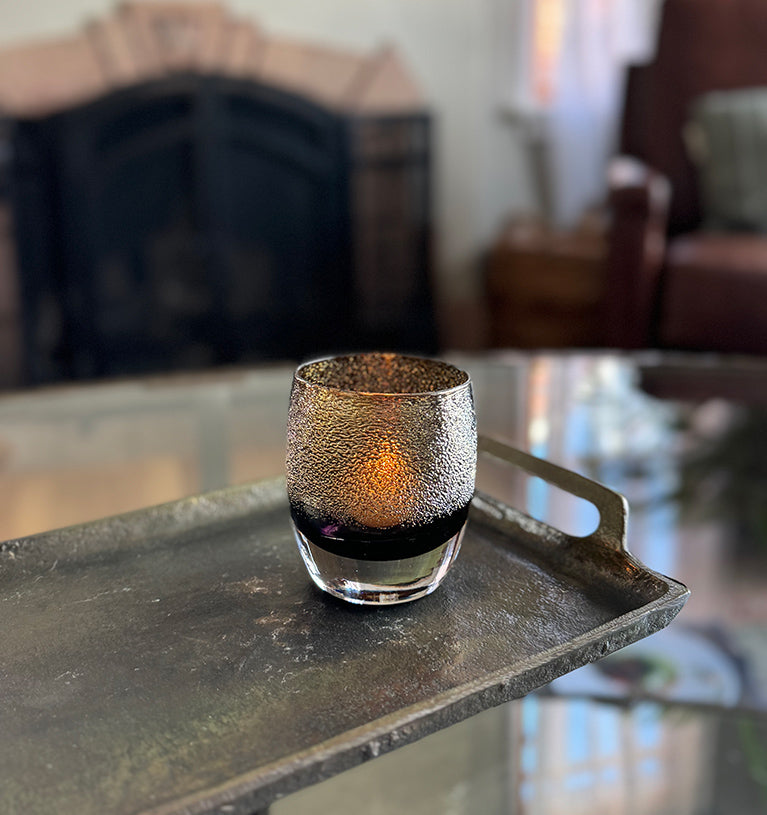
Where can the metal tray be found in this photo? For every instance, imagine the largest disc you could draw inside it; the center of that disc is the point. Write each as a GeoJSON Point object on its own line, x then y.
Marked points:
{"type": "Point", "coordinates": [178, 660]}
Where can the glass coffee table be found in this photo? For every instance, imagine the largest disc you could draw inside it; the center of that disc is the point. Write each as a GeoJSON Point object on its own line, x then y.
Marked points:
{"type": "Point", "coordinates": [675, 722]}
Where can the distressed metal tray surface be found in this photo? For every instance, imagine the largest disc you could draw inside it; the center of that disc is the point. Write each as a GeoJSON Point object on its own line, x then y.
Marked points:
{"type": "Point", "coordinates": [178, 660]}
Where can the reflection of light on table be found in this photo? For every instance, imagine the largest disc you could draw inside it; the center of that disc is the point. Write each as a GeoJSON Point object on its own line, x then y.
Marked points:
{"type": "Point", "coordinates": [71, 455]}
{"type": "Point", "coordinates": [580, 756]}
{"type": "Point", "coordinates": [37, 501]}
{"type": "Point", "coordinates": [674, 665]}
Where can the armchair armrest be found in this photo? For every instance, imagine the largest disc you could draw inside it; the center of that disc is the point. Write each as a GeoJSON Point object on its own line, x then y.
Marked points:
{"type": "Point", "coordinates": [639, 200]}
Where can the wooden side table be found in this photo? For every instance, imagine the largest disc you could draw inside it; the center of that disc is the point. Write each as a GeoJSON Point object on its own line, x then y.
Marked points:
{"type": "Point", "coordinates": [546, 289]}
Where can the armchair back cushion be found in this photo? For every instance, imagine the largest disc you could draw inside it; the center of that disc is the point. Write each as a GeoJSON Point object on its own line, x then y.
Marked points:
{"type": "Point", "coordinates": [727, 138]}
{"type": "Point", "coordinates": [704, 45]}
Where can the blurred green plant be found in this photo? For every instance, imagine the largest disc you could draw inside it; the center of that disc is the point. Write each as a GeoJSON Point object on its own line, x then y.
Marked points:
{"type": "Point", "coordinates": [725, 477]}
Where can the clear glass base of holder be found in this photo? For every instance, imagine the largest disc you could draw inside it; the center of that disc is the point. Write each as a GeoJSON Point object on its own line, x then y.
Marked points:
{"type": "Point", "coordinates": [378, 582]}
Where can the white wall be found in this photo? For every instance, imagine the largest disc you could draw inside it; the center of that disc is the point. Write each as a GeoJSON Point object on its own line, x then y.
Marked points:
{"type": "Point", "coordinates": [453, 48]}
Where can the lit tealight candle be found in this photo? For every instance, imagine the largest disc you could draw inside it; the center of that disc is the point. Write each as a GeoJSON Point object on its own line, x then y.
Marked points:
{"type": "Point", "coordinates": [384, 493]}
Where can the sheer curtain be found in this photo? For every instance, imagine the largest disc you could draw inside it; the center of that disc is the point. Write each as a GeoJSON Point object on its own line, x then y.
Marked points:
{"type": "Point", "coordinates": [576, 71]}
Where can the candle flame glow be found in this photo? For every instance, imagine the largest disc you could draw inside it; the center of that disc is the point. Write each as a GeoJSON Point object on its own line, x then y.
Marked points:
{"type": "Point", "coordinates": [385, 496]}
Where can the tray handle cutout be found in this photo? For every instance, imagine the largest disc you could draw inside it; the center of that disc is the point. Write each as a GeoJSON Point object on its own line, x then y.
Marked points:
{"type": "Point", "coordinates": [612, 506]}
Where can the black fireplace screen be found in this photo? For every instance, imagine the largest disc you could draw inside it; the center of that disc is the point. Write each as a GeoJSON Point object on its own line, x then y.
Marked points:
{"type": "Point", "coordinates": [199, 221]}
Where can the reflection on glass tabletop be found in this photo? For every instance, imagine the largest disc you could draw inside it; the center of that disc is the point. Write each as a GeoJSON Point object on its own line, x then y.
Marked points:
{"type": "Point", "coordinates": [675, 723]}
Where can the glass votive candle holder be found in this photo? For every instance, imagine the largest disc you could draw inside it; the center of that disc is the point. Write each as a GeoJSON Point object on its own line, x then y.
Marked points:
{"type": "Point", "coordinates": [381, 461]}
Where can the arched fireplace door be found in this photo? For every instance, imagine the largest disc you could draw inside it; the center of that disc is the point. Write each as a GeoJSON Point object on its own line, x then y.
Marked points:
{"type": "Point", "coordinates": [192, 221]}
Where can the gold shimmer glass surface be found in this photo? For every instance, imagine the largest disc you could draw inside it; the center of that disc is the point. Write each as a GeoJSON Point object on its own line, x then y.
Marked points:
{"type": "Point", "coordinates": [381, 459]}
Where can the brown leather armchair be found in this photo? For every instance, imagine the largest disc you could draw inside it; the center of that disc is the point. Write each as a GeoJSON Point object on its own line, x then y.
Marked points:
{"type": "Point", "coordinates": [671, 282]}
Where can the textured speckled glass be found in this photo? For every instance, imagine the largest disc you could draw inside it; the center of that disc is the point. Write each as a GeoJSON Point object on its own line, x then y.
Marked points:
{"type": "Point", "coordinates": [381, 459]}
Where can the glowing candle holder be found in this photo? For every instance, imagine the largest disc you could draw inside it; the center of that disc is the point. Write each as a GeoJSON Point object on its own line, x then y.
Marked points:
{"type": "Point", "coordinates": [381, 458]}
